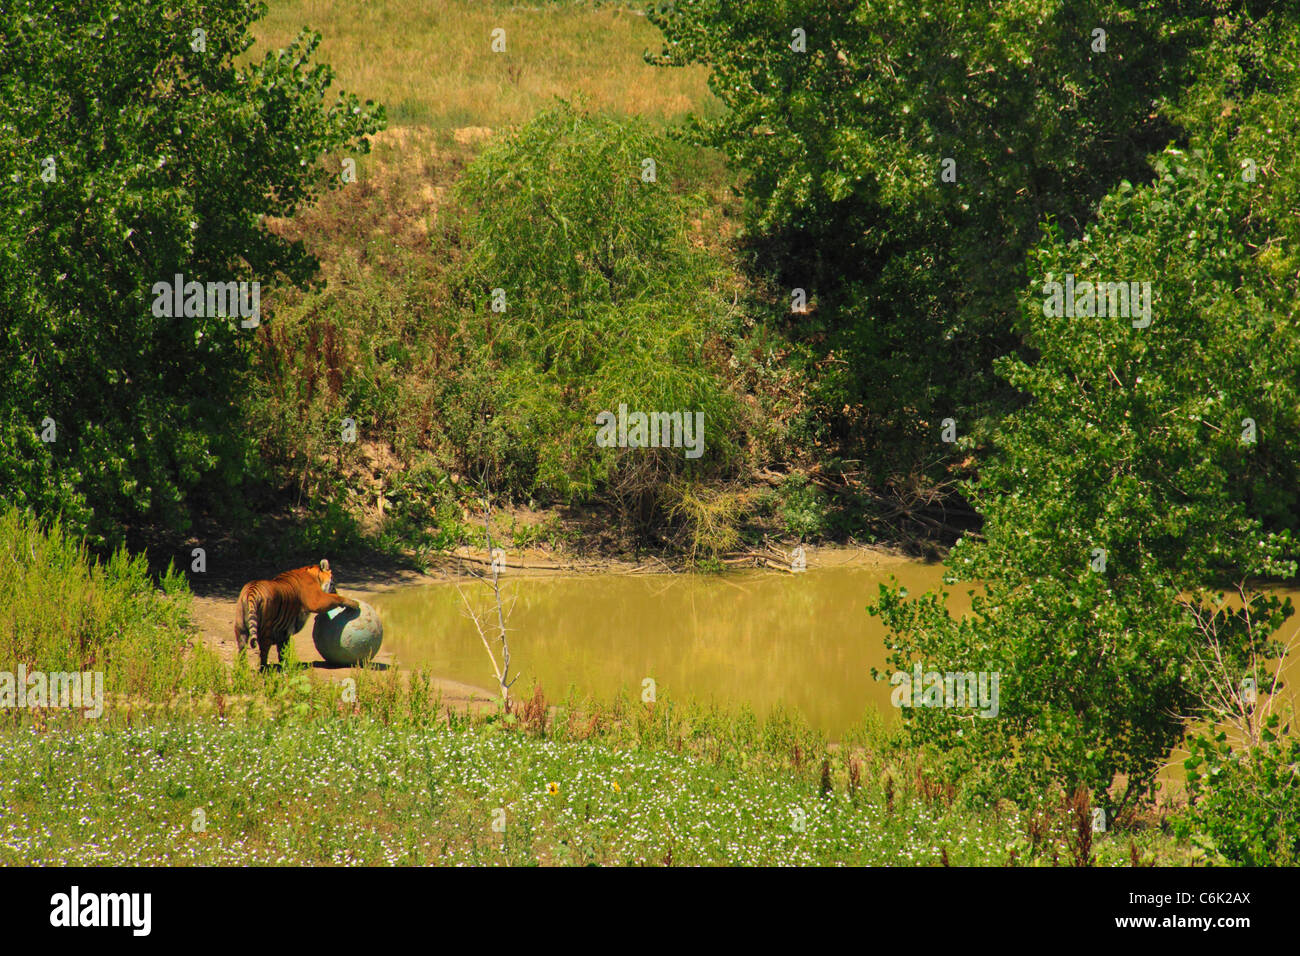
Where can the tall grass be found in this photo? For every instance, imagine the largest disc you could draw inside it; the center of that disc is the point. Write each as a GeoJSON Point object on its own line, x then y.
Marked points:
{"type": "Point", "coordinates": [63, 610]}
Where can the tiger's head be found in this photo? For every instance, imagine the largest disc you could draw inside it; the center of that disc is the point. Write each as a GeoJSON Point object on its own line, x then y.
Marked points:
{"type": "Point", "coordinates": [323, 575]}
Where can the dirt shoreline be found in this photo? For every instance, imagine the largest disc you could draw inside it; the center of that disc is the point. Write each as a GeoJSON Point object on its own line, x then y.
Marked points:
{"type": "Point", "coordinates": [215, 596]}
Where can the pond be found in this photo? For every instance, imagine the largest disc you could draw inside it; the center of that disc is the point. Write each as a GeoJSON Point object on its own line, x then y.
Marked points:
{"type": "Point", "coordinates": [757, 637]}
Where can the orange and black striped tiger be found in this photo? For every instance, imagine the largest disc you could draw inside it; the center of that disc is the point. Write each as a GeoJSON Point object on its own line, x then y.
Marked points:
{"type": "Point", "coordinates": [270, 612]}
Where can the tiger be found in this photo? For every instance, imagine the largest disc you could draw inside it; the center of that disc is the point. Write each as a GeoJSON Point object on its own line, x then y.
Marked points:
{"type": "Point", "coordinates": [270, 612]}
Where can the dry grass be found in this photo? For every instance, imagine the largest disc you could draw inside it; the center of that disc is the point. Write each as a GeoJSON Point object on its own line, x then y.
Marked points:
{"type": "Point", "coordinates": [431, 64]}
{"type": "Point", "coordinates": [446, 93]}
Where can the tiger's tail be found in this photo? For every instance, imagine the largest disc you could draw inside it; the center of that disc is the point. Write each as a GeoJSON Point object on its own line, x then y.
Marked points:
{"type": "Point", "coordinates": [246, 626]}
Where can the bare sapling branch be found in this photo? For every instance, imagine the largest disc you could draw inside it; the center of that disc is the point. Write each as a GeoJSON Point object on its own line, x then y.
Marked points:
{"type": "Point", "coordinates": [501, 667]}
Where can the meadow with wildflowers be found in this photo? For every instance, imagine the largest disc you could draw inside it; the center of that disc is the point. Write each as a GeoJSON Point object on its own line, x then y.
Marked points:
{"type": "Point", "coordinates": [357, 790]}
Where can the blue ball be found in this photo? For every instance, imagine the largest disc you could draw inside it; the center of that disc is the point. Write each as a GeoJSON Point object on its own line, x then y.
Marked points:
{"type": "Point", "coordinates": [345, 636]}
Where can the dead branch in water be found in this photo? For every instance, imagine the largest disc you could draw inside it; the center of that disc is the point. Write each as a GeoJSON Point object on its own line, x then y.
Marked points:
{"type": "Point", "coordinates": [530, 567]}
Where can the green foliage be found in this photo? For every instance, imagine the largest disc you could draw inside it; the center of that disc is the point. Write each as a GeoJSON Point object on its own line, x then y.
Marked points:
{"type": "Point", "coordinates": [424, 511]}
{"type": "Point", "coordinates": [371, 346]}
{"type": "Point", "coordinates": [1131, 445]}
{"type": "Point", "coordinates": [570, 183]}
{"type": "Point", "coordinates": [802, 508]}
{"type": "Point", "coordinates": [913, 279]}
{"type": "Point", "coordinates": [607, 301]}
{"type": "Point", "coordinates": [327, 528]}
{"type": "Point", "coordinates": [61, 610]}
{"type": "Point", "coordinates": [167, 156]}
{"type": "Point", "coordinates": [707, 517]}
{"type": "Point", "coordinates": [1245, 801]}
{"type": "Point", "coordinates": [548, 531]}
{"type": "Point", "coordinates": [1090, 687]}
{"type": "Point", "coordinates": [1135, 436]}
{"type": "Point", "coordinates": [618, 307]}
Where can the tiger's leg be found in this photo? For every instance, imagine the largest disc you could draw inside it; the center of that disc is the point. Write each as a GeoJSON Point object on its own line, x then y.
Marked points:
{"type": "Point", "coordinates": [323, 601]}
{"type": "Point", "coordinates": [241, 622]}
{"type": "Point", "coordinates": [264, 650]}
{"type": "Point", "coordinates": [246, 625]}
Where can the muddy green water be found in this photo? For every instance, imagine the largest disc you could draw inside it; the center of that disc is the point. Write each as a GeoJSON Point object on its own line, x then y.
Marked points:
{"type": "Point", "coordinates": [758, 638]}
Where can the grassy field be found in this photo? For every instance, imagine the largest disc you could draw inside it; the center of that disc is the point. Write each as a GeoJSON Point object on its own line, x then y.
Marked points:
{"type": "Point", "coordinates": [361, 791]}
{"type": "Point", "coordinates": [431, 63]}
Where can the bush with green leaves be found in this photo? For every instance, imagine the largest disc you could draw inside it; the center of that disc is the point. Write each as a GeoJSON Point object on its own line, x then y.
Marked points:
{"type": "Point", "coordinates": [137, 146]}
{"type": "Point", "coordinates": [1244, 803]}
{"type": "Point", "coordinates": [900, 157]}
{"type": "Point", "coordinates": [1146, 464]}
{"type": "Point", "coordinates": [803, 507]}
{"type": "Point", "coordinates": [602, 299]}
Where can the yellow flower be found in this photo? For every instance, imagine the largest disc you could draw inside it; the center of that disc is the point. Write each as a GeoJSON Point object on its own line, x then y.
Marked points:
{"type": "Point", "coordinates": [552, 788]}
{"type": "Point", "coordinates": [617, 788]}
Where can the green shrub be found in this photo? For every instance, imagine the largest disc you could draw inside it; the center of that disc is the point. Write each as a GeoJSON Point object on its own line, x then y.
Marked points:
{"type": "Point", "coordinates": [707, 518]}
{"type": "Point", "coordinates": [548, 531]}
{"type": "Point", "coordinates": [1245, 802]}
{"type": "Point", "coordinates": [803, 507]}
{"type": "Point", "coordinates": [607, 302]}
{"type": "Point", "coordinates": [326, 528]}
{"type": "Point", "coordinates": [424, 510]}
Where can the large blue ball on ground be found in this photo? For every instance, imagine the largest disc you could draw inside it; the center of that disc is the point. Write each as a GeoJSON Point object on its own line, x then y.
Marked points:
{"type": "Point", "coordinates": [347, 636]}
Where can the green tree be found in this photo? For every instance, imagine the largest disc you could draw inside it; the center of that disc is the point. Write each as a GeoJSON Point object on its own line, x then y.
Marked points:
{"type": "Point", "coordinates": [136, 145]}
{"type": "Point", "coordinates": [843, 132]}
{"type": "Point", "coordinates": [1148, 465]}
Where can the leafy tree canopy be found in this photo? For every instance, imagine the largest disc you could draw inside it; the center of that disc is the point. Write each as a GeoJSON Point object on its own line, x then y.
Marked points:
{"type": "Point", "coordinates": [138, 143]}
{"type": "Point", "coordinates": [1148, 464]}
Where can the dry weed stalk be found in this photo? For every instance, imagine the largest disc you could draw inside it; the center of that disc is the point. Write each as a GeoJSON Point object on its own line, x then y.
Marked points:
{"type": "Point", "coordinates": [502, 669]}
